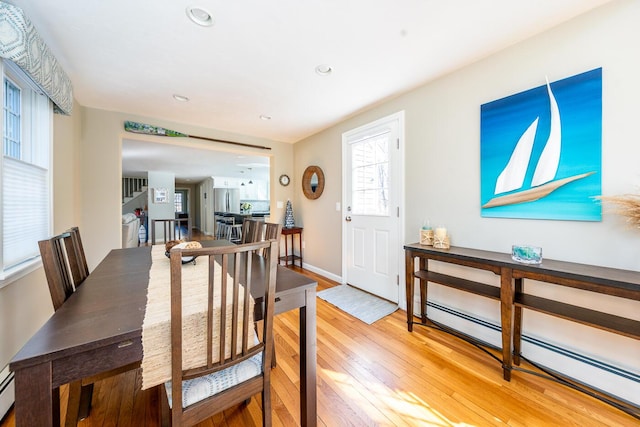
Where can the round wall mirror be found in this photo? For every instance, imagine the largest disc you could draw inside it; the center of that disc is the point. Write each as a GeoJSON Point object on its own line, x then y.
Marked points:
{"type": "Point", "coordinates": [313, 182]}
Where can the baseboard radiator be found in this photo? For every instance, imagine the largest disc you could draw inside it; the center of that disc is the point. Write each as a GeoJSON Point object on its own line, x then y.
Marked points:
{"type": "Point", "coordinates": [7, 391]}
{"type": "Point", "coordinates": [608, 380]}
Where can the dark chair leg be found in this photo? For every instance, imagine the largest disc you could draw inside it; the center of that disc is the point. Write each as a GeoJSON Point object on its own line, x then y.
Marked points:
{"type": "Point", "coordinates": [86, 394]}
{"type": "Point", "coordinates": [165, 411]}
{"type": "Point", "coordinates": [273, 359]}
{"type": "Point", "coordinates": [73, 404]}
{"type": "Point", "coordinates": [55, 406]}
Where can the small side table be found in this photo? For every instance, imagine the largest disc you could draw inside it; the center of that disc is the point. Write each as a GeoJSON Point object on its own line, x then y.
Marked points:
{"type": "Point", "coordinates": [291, 231]}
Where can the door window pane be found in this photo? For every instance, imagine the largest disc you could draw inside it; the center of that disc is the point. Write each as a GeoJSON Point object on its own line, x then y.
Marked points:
{"type": "Point", "coordinates": [370, 176]}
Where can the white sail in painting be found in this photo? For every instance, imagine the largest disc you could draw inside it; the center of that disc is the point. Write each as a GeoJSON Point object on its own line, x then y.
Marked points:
{"type": "Point", "coordinates": [543, 181]}
{"type": "Point", "coordinates": [550, 157]}
{"type": "Point", "coordinates": [512, 176]}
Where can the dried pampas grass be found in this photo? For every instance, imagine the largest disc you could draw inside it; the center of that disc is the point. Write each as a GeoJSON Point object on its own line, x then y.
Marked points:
{"type": "Point", "coordinates": [627, 205]}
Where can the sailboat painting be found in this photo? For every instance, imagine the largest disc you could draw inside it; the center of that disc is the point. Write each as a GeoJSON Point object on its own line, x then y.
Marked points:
{"type": "Point", "coordinates": [541, 151]}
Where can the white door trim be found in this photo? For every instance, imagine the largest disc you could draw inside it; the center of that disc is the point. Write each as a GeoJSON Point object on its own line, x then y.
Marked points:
{"type": "Point", "coordinates": [399, 116]}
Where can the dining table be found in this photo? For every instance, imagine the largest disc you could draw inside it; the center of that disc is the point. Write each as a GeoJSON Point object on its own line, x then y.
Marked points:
{"type": "Point", "coordinates": [99, 329]}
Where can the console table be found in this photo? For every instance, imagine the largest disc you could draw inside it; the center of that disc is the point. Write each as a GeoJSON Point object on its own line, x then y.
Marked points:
{"type": "Point", "coordinates": [291, 231]}
{"type": "Point", "coordinates": [513, 299]}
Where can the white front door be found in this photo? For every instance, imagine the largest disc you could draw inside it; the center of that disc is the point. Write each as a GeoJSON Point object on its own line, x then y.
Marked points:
{"type": "Point", "coordinates": [371, 211]}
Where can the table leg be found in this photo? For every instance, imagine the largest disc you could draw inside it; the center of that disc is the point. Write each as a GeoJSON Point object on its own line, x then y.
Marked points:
{"type": "Point", "coordinates": [286, 250]}
{"type": "Point", "coordinates": [300, 245]}
{"type": "Point", "coordinates": [517, 327]}
{"type": "Point", "coordinates": [424, 266]}
{"type": "Point", "coordinates": [37, 403]}
{"type": "Point", "coordinates": [308, 399]}
{"type": "Point", "coordinates": [409, 266]}
{"type": "Point", "coordinates": [506, 315]}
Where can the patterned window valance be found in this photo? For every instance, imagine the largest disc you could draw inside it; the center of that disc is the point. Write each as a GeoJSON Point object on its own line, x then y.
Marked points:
{"type": "Point", "coordinates": [21, 44]}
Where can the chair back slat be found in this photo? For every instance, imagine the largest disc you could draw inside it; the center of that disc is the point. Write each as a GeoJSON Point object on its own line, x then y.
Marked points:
{"type": "Point", "coordinates": [76, 256]}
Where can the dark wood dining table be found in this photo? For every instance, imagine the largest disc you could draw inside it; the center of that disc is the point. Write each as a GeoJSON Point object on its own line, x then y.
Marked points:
{"type": "Point", "coordinates": [99, 328]}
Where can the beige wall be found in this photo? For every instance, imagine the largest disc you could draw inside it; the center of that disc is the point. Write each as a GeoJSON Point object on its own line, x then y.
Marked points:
{"type": "Point", "coordinates": [442, 173]}
{"type": "Point", "coordinates": [322, 223]}
{"type": "Point", "coordinates": [26, 304]}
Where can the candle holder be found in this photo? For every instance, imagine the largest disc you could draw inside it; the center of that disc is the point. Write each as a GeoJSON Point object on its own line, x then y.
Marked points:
{"type": "Point", "coordinates": [441, 241]}
{"type": "Point", "coordinates": [426, 237]}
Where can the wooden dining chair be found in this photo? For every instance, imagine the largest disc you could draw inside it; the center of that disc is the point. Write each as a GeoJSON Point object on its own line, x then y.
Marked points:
{"type": "Point", "coordinates": [53, 252]}
{"type": "Point", "coordinates": [235, 360]}
{"type": "Point", "coordinates": [65, 267]}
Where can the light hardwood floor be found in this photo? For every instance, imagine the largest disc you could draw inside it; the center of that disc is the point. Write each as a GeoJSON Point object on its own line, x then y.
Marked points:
{"type": "Point", "coordinates": [379, 375]}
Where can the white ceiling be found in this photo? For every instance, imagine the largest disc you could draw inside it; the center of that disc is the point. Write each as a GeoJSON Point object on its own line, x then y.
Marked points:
{"type": "Point", "coordinates": [259, 57]}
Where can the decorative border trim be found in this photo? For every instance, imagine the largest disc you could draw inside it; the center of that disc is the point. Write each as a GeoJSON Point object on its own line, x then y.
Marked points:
{"type": "Point", "coordinates": [21, 44]}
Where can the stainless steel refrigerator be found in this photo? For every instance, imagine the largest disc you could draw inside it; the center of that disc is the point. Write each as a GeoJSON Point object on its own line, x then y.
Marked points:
{"type": "Point", "coordinates": [226, 200]}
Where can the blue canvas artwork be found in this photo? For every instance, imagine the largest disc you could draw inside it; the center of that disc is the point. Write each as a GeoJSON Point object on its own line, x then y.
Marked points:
{"type": "Point", "coordinates": [541, 151]}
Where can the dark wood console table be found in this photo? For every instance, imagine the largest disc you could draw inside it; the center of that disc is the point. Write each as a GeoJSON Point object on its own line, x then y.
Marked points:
{"type": "Point", "coordinates": [511, 294]}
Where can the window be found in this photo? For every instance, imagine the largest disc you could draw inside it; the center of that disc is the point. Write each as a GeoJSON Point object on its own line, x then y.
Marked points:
{"type": "Point", "coordinates": [25, 173]}
{"type": "Point", "coordinates": [11, 119]}
{"type": "Point", "coordinates": [177, 201]}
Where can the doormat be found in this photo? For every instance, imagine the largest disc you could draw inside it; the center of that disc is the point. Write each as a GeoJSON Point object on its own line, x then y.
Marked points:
{"type": "Point", "coordinates": [362, 305]}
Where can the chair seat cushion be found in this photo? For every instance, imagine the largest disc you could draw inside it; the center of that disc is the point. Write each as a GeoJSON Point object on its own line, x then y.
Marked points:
{"type": "Point", "coordinates": [200, 388]}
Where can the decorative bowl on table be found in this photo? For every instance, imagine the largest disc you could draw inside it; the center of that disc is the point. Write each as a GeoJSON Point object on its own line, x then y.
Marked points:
{"type": "Point", "coordinates": [182, 245]}
{"type": "Point", "coordinates": [526, 254]}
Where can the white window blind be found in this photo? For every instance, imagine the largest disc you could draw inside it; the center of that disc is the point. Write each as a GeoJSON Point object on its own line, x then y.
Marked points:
{"type": "Point", "coordinates": [25, 194]}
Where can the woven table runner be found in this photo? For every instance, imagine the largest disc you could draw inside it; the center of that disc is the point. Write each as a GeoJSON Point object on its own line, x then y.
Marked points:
{"type": "Point", "coordinates": [156, 327]}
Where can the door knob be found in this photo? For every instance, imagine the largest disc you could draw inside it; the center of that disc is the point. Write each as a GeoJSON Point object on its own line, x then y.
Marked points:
{"type": "Point", "coordinates": [348, 219]}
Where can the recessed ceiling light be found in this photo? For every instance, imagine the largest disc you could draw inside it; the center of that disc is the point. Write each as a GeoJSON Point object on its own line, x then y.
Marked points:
{"type": "Point", "coordinates": [265, 117]}
{"type": "Point", "coordinates": [180, 98]}
{"type": "Point", "coordinates": [200, 16]}
{"type": "Point", "coordinates": [324, 69]}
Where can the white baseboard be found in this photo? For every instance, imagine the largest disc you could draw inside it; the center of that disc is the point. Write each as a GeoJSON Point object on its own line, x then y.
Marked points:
{"type": "Point", "coordinates": [322, 272]}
